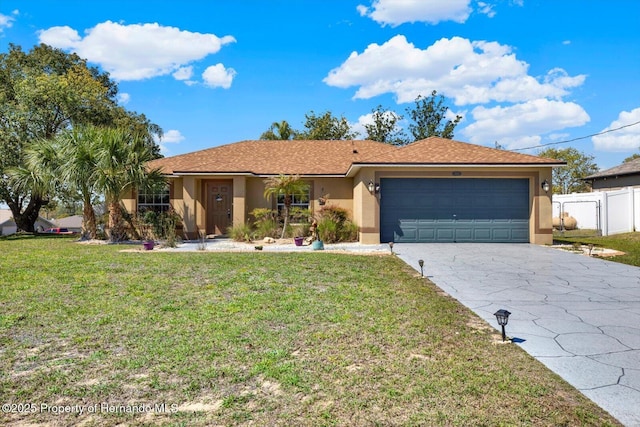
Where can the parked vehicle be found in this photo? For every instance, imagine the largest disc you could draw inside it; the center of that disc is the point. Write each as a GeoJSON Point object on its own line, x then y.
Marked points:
{"type": "Point", "coordinates": [58, 230]}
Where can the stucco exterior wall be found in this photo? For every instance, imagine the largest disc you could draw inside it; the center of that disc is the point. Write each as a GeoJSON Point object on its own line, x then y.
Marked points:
{"type": "Point", "coordinates": [129, 200]}
{"type": "Point", "coordinates": [366, 212]}
{"type": "Point", "coordinates": [339, 191]}
{"type": "Point", "coordinates": [239, 200]}
{"type": "Point", "coordinates": [190, 191]}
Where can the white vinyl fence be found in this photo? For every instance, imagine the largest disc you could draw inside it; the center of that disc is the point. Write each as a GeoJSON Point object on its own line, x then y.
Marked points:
{"type": "Point", "coordinates": [611, 212]}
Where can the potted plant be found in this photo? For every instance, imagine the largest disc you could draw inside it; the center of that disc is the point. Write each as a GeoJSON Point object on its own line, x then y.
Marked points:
{"type": "Point", "coordinates": [147, 226]}
{"type": "Point", "coordinates": [299, 234]}
{"type": "Point", "coordinates": [317, 244]}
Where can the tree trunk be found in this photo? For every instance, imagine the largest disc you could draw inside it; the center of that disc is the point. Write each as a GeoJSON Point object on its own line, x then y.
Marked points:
{"type": "Point", "coordinates": [89, 228]}
{"type": "Point", "coordinates": [26, 221]}
{"type": "Point", "coordinates": [286, 220]}
{"type": "Point", "coordinates": [116, 227]}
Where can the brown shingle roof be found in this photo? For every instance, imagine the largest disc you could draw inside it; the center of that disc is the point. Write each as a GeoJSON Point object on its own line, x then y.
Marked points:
{"type": "Point", "coordinates": [275, 157]}
{"type": "Point", "coordinates": [627, 168]}
{"type": "Point", "coordinates": [334, 157]}
{"type": "Point", "coordinates": [442, 151]}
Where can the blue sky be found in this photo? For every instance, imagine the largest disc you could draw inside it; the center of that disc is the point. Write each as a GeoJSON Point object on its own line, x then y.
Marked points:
{"type": "Point", "coordinates": [522, 73]}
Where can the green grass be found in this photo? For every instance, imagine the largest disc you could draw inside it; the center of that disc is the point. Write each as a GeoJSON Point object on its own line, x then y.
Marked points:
{"type": "Point", "coordinates": [629, 243]}
{"type": "Point", "coordinates": [304, 339]}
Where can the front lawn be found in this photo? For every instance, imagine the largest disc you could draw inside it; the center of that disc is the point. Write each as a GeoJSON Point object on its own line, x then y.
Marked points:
{"type": "Point", "coordinates": [297, 339]}
{"type": "Point", "coordinates": [629, 243]}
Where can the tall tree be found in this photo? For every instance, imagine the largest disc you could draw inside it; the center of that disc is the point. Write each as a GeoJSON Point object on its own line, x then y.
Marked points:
{"type": "Point", "coordinates": [429, 117]}
{"type": "Point", "coordinates": [568, 179]}
{"type": "Point", "coordinates": [385, 127]}
{"type": "Point", "coordinates": [43, 92]}
{"type": "Point", "coordinates": [286, 186]}
{"type": "Point", "coordinates": [279, 131]}
{"type": "Point", "coordinates": [39, 174]}
{"type": "Point", "coordinates": [140, 125]}
{"type": "Point", "coordinates": [326, 127]}
{"type": "Point", "coordinates": [78, 152]}
{"type": "Point", "coordinates": [121, 158]}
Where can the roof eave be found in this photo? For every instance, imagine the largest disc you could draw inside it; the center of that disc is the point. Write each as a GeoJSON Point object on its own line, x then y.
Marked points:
{"type": "Point", "coordinates": [357, 166]}
{"type": "Point", "coordinates": [177, 174]}
{"type": "Point", "coordinates": [613, 175]}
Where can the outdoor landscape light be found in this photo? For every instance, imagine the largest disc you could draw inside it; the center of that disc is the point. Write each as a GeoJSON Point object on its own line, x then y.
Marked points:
{"type": "Point", "coordinates": [391, 246]}
{"type": "Point", "coordinates": [545, 186]}
{"type": "Point", "coordinates": [421, 264]}
{"type": "Point", "coordinates": [503, 318]}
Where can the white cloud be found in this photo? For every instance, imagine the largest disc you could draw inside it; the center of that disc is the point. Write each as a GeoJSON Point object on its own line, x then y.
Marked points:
{"type": "Point", "coordinates": [218, 76]}
{"type": "Point", "coordinates": [396, 12]}
{"type": "Point", "coordinates": [507, 104]}
{"type": "Point", "coordinates": [359, 127]}
{"type": "Point", "coordinates": [137, 51]}
{"type": "Point", "coordinates": [124, 98]}
{"type": "Point", "coordinates": [6, 21]}
{"type": "Point", "coordinates": [183, 73]}
{"type": "Point", "coordinates": [170, 137]}
{"type": "Point", "coordinates": [625, 139]}
{"type": "Point", "coordinates": [486, 9]}
{"type": "Point", "coordinates": [520, 125]}
{"type": "Point", "coordinates": [469, 72]}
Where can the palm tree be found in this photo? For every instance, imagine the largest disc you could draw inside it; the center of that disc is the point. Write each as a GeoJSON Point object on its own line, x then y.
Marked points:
{"type": "Point", "coordinates": [287, 186]}
{"type": "Point", "coordinates": [38, 175]}
{"type": "Point", "coordinates": [78, 151]}
{"type": "Point", "coordinates": [121, 158]}
{"type": "Point", "coordinates": [279, 131]}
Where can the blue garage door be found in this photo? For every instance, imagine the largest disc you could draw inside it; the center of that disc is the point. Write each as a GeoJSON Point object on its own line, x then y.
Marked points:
{"type": "Point", "coordinates": [454, 210]}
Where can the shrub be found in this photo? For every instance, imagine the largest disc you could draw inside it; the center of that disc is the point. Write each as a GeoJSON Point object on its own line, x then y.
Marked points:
{"type": "Point", "coordinates": [301, 230]}
{"type": "Point", "coordinates": [151, 225]}
{"type": "Point", "coordinates": [299, 215]}
{"type": "Point", "coordinates": [265, 223]}
{"type": "Point", "coordinates": [335, 226]}
{"type": "Point", "coordinates": [240, 233]}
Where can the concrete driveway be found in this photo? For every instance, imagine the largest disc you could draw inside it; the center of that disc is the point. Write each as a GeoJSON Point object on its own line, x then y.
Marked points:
{"type": "Point", "coordinates": [580, 316]}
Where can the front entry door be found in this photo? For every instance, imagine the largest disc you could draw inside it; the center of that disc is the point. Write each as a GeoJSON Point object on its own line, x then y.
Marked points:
{"type": "Point", "coordinates": [219, 206]}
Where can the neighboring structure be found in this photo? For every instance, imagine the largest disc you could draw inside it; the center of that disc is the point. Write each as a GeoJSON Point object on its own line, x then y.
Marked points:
{"type": "Point", "coordinates": [624, 175]}
{"type": "Point", "coordinates": [8, 225]}
{"type": "Point", "coordinates": [72, 223]}
{"type": "Point", "coordinates": [434, 190]}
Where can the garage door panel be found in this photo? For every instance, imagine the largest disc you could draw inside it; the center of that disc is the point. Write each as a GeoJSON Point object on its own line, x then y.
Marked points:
{"type": "Point", "coordinates": [481, 234]}
{"type": "Point", "coordinates": [426, 234]}
{"type": "Point", "coordinates": [444, 234]}
{"type": "Point", "coordinates": [464, 234]}
{"type": "Point", "coordinates": [452, 210]}
{"type": "Point", "coordinates": [501, 234]}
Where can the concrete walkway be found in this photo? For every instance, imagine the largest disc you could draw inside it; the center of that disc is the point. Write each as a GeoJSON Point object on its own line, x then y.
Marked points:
{"type": "Point", "coordinates": [580, 316]}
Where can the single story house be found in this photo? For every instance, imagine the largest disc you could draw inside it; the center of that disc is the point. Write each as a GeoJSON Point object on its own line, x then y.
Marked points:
{"type": "Point", "coordinates": [616, 178]}
{"type": "Point", "coordinates": [72, 223]}
{"type": "Point", "coordinates": [8, 225]}
{"type": "Point", "coordinates": [433, 190]}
